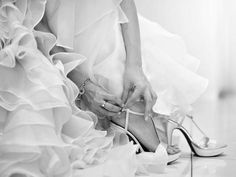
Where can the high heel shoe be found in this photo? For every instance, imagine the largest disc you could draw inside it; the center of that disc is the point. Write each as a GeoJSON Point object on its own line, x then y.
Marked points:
{"type": "Point", "coordinates": [161, 123]}
{"type": "Point", "coordinates": [115, 127]}
{"type": "Point", "coordinates": [206, 148]}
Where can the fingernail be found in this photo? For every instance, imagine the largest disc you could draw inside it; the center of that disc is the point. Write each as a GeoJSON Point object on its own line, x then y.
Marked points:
{"type": "Point", "coordinates": [146, 118]}
{"type": "Point", "coordinates": [119, 113]}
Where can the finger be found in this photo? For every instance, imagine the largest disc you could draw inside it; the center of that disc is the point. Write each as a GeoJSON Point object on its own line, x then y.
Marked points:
{"type": "Point", "coordinates": [133, 98]}
{"type": "Point", "coordinates": [125, 93]}
{"type": "Point", "coordinates": [175, 147]}
{"type": "Point", "coordinates": [176, 150]}
{"type": "Point", "coordinates": [170, 150]}
{"type": "Point", "coordinates": [113, 99]}
{"type": "Point", "coordinates": [148, 104]}
{"type": "Point", "coordinates": [110, 107]}
{"type": "Point", "coordinates": [154, 96]}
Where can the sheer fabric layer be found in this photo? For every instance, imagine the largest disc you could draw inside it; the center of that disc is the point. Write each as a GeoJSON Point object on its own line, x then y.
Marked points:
{"type": "Point", "coordinates": [170, 69]}
{"type": "Point", "coordinates": [42, 133]}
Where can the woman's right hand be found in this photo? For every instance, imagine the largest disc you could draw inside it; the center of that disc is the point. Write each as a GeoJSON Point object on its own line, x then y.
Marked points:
{"type": "Point", "coordinates": [100, 101]}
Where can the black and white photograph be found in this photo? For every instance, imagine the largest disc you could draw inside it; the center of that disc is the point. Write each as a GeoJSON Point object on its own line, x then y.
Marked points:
{"type": "Point", "coordinates": [117, 88]}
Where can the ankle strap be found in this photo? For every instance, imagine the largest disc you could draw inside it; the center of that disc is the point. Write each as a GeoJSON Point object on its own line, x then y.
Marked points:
{"type": "Point", "coordinates": [191, 117]}
{"type": "Point", "coordinates": [182, 118]}
{"type": "Point", "coordinates": [128, 111]}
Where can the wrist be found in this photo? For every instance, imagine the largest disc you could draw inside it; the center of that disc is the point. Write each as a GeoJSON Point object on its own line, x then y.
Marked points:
{"type": "Point", "coordinates": [78, 77]}
{"type": "Point", "coordinates": [133, 67]}
{"type": "Point", "coordinates": [133, 61]}
{"type": "Point", "coordinates": [82, 88]}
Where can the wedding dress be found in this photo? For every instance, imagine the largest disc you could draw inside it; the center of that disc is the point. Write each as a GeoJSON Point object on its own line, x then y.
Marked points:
{"type": "Point", "coordinates": [94, 31]}
{"type": "Point", "coordinates": [42, 132]}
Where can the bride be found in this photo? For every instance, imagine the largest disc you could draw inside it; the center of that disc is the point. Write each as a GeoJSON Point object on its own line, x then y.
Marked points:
{"type": "Point", "coordinates": [114, 78]}
{"type": "Point", "coordinates": [45, 45]}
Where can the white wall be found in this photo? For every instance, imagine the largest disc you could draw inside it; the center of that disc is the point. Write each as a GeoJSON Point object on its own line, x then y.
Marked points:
{"type": "Point", "coordinates": [230, 18]}
{"type": "Point", "coordinates": [209, 29]}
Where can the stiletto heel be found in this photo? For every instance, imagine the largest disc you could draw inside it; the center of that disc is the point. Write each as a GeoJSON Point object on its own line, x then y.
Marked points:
{"type": "Point", "coordinates": [164, 127]}
{"type": "Point", "coordinates": [169, 131]}
{"type": "Point", "coordinates": [207, 148]}
{"type": "Point", "coordinates": [116, 127]}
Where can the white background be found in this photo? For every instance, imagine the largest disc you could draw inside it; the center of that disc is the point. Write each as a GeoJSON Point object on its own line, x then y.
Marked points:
{"type": "Point", "coordinates": [209, 29]}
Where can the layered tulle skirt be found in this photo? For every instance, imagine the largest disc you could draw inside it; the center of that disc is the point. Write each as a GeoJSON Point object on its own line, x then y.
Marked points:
{"type": "Point", "coordinates": [42, 132]}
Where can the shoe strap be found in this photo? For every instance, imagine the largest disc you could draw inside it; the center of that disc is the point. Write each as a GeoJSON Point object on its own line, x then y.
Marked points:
{"type": "Point", "coordinates": [182, 117]}
{"type": "Point", "coordinates": [191, 117]}
{"type": "Point", "coordinates": [127, 112]}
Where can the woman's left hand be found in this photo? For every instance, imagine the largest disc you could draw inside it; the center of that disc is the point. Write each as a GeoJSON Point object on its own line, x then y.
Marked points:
{"type": "Point", "coordinates": [137, 87]}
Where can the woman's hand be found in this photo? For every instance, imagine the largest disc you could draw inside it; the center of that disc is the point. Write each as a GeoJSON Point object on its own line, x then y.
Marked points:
{"type": "Point", "coordinates": [134, 78]}
{"type": "Point", "coordinates": [100, 101]}
{"type": "Point", "coordinates": [136, 88]}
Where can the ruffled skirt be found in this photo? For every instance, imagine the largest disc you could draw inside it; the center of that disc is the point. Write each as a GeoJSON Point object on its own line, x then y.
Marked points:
{"type": "Point", "coordinates": [42, 132]}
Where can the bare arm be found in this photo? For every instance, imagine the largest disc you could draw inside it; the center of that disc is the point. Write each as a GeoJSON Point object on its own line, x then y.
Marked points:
{"type": "Point", "coordinates": [131, 34]}
{"type": "Point", "coordinates": [94, 96]}
{"type": "Point", "coordinates": [136, 85]}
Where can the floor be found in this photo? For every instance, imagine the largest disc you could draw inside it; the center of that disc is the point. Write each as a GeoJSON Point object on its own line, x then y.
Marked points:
{"type": "Point", "coordinates": [218, 119]}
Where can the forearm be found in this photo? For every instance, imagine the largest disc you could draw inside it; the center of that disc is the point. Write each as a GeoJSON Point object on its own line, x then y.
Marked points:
{"type": "Point", "coordinates": [131, 34]}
